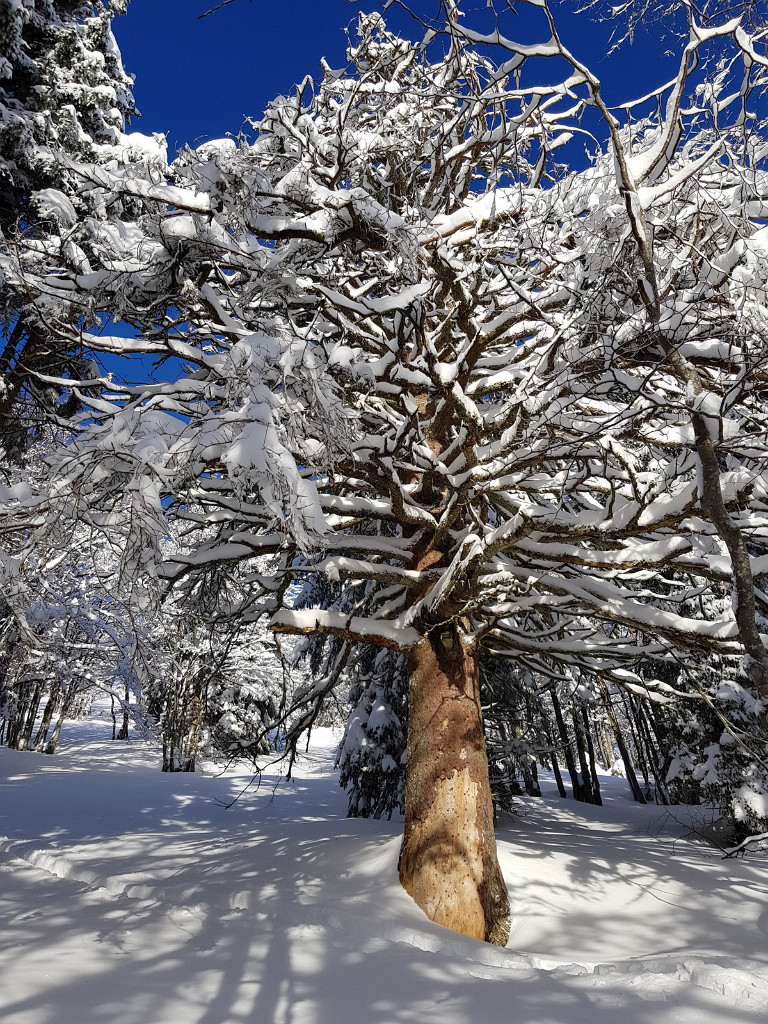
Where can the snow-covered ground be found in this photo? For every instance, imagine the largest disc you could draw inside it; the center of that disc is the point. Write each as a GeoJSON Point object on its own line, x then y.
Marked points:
{"type": "Point", "coordinates": [132, 897]}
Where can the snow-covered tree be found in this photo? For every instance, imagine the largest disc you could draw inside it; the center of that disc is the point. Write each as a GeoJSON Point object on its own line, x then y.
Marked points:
{"type": "Point", "coordinates": [493, 402]}
{"type": "Point", "coordinates": [218, 685]}
{"type": "Point", "coordinates": [371, 755]}
{"type": "Point", "coordinates": [65, 637]}
{"type": "Point", "coordinates": [63, 95]}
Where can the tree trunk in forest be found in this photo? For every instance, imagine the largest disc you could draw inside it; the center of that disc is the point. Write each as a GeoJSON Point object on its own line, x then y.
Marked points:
{"type": "Point", "coordinates": [45, 724]}
{"type": "Point", "coordinates": [640, 758]}
{"type": "Point", "coordinates": [50, 747]}
{"type": "Point", "coordinates": [183, 718]}
{"type": "Point", "coordinates": [587, 793]}
{"type": "Point", "coordinates": [605, 746]}
{"type": "Point", "coordinates": [530, 777]}
{"type": "Point", "coordinates": [555, 764]}
{"type": "Point", "coordinates": [29, 723]}
{"type": "Point", "coordinates": [577, 783]}
{"type": "Point", "coordinates": [596, 797]}
{"type": "Point", "coordinates": [23, 713]}
{"type": "Point", "coordinates": [629, 770]}
{"type": "Point", "coordinates": [123, 731]}
{"type": "Point", "coordinates": [448, 859]}
{"type": "Point", "coordinates": [651, 741]}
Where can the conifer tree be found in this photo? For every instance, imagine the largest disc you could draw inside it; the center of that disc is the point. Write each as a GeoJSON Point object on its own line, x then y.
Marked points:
{"type": "Point", "coordinates": [64, 96]}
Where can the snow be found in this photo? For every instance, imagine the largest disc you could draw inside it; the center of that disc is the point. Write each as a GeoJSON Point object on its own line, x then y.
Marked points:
{"type": "Point", "coordinates": [134, 897]}
{"type": "Point", "coordinates": [52, 204]}
{"type": "Point", "coordinates": [311, 620]}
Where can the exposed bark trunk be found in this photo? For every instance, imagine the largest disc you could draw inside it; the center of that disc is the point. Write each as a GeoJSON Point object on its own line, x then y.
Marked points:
{"type": "Point", "coordinates": [604, 744]}
{"type": "Point", "coordinates": [183, 719]}
{"type": "Point", "coordinates": [50, 747]}
{"type": "Point", "coordinates": [23, 713]}
{"type": "Point", "coordinates": [123, 730]}
{"type": "Point", "coordinates": [577, 783]}
{"type": "Point", "coordinates": [448, 859]}
{"type": "Point", "coordinates": [587, 782]}
{"type": "Point", "coordinates": [29, 723]}
{"type": "Point", "coordinates": [45, 724]}
{"type": "Point", "coordinates": [531, 778]}
{"type": "Point", "coordinates": [639, 759]}
{"type": "Point", "coordinates": [629, 770]}
{"type": "Point", "coordinates": [555, 765]}
{"type": "Point", "coordinates": [654, 754]}
{"type": "Point", "coordinates": [529, 765]}
{"type": "Point", "coordinates": [596, 797]}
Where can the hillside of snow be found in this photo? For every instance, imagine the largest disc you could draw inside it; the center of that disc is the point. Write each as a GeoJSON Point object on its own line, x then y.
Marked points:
{"type": "Point", "coordinates": [132, 897]}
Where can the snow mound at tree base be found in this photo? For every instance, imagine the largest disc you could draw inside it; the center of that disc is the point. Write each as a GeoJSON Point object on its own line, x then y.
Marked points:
{"type": "Point", "coordinates": [133, 897]}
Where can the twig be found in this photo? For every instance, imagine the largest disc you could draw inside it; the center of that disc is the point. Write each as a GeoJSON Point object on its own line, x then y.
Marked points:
{"type": "Point", "coordinates": [218, 7]}
{"type": "Point", "coordinates": [733, 850]}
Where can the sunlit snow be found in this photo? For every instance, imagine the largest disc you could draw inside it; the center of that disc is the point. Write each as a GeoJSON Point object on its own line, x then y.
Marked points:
{"type": "Point", "coordinates": [134, 897]}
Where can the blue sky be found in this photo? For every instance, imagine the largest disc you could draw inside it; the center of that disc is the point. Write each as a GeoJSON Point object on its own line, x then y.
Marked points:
{"type": "Point", "coordinates": [198, 79]}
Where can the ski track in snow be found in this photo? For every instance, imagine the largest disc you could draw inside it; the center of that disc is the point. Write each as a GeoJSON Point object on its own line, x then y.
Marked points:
{"type": "Point", "coordinates": [132, 897]}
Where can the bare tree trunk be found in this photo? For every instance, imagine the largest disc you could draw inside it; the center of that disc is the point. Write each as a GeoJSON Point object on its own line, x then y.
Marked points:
{"type": "Point", "coordinates": [448, 859]}
{"type": "Point", "coordinates": [123, 731]}
{"type": "Point", "coordinates": [184, 712]}
{"type": "Point", "coordinates": [23, 713]}
{"type": "Point", "coordinates": [555, 764]}
{"type": "Point", "coordinates": [577, 783]}
{"type": "Point", "coordinates": [50, 747]}
{"type": "Point", "coordinates": [530, 777]}
{"type": "Point", "coordinates": [529, 765]}
{"type": "Point", "coordinates": [45, 724]}
{"type": "Point", "coordinates": [640, 758]}
{"type": "Point", "coordinates": [29, 724]}
{"type": "Point", "coordinates": [587, 782]}
{"type": "Point", "coordinates": [596, 797]}
{"type": "Point", "coordinates": [654, 754]}
{"type": "Point", "coordinates": [629, 770]}
{"type": "Point", "coordinates": [605, 745]}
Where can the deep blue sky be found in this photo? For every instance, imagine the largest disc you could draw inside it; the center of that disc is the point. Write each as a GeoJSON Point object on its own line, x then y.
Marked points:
{"type": "Point", "coordinates": [198, 79]}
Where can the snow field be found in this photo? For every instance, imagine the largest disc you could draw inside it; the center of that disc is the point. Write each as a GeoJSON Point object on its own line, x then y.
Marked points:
{"type": "Point", "coordinates": [132, 897]}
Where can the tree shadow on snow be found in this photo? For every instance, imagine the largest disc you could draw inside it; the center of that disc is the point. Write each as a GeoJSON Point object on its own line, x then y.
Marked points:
{"type": "Point", "coordinates": [169, 910]}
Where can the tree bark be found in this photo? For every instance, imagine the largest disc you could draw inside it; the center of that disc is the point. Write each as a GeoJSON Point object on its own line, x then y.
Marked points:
{"type": "Point", "coordinates": [577, 783]}
{"type": "Point", "coordinates": [123, 730]}
{"type": "Point", "coordinates": [50, 747]}
{"type": "Point", "coordinates": [45, 724]}
{"type": "Point", "coordinates": [555, 764]}
{"type": "Point", "coordinates": [654, 753]}
{"type": "Point", "coordinates": [29, 724]}
{"type": "Point", "coordinates": [596, 797]}
{"type": "Point", "coordinates": [448, 860]}
{"type": "Point", "coordinates": [629, 770]}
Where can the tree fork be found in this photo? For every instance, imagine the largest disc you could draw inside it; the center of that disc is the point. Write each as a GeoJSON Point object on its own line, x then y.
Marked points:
{"type": "Point", "coordinates": [448, 861]}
